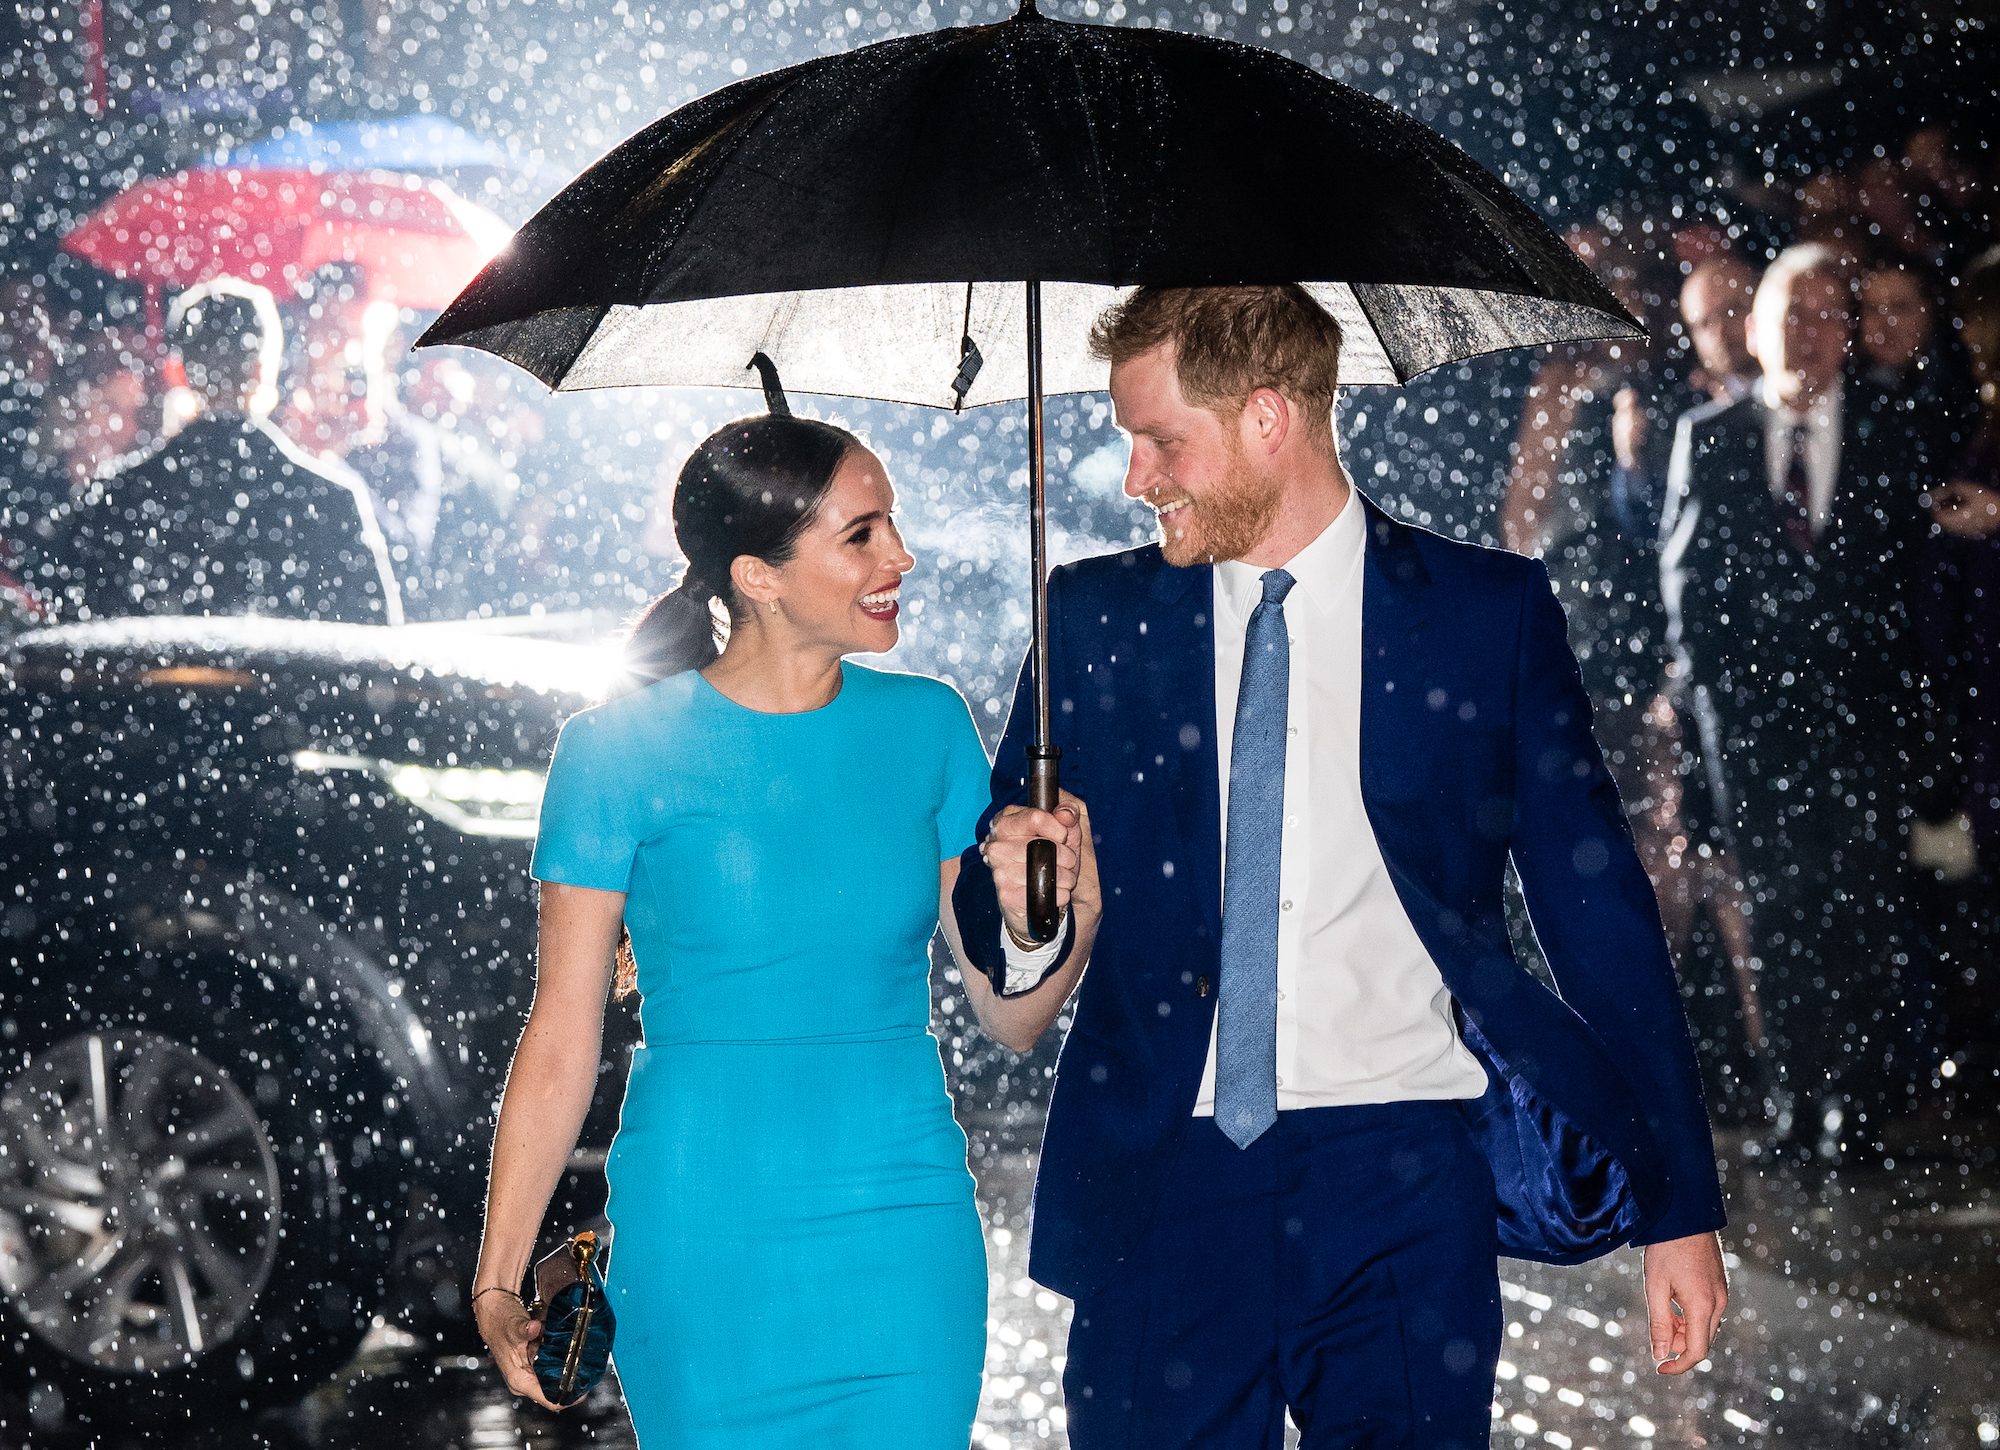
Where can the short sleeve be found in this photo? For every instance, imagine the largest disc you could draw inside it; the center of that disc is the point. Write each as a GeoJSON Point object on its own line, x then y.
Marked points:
{"type": "Point", "coordinates": [968, 779]}
{"type": "Point", "coordinates": [587, 835]}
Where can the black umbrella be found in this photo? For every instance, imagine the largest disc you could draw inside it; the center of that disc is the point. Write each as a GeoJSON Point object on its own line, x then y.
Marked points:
{"type": "Point", "coordinates": [908, 220]}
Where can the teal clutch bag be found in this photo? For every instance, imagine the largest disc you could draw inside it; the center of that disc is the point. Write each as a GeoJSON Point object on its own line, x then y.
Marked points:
{"type": "Point", "coordinates": [577, 1323]}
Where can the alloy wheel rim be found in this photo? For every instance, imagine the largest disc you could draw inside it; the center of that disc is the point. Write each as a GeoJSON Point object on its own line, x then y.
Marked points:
{"type": "Point", "coordinates": [139, 1201]}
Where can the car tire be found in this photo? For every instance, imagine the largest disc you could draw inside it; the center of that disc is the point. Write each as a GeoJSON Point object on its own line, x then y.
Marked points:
{"type": "Point", "coordinates": [199, 1177]}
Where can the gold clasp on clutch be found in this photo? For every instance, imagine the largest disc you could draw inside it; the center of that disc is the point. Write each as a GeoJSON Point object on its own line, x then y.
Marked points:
{"type": "Point", "coordinates": [582, 1249]}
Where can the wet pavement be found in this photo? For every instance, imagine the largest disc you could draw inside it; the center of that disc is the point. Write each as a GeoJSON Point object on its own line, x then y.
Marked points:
{"type": "Point", "coordinates": [1862, 1317]}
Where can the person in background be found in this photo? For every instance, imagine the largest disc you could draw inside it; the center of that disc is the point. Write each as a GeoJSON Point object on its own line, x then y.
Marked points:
{"type": "Point", "coordinates": [1958, 612]}
{"type": "Point", "coordinates": [1715, 310]}
{"type": "Point", "coordinates": [95, 411]}
{"type": "Point", "coordinates": [1594, 520]}
{"type": "Point", "coordinates": [347, 407]}
{"type": "Point", "coordinates": [1557, 507]}
{"type": "Point", "coordinates": [1715, 316]}
{"type": "Point", "coordinates": [1896, 331]}
{"type": "Point", "coordinates": [227, 516]}
{"type": "Point", "coordinates": [98, 411]}
{"type": "Point", "coordinates": [1792, 528]}
{"type": "Point", "coordinates": [27, 365]}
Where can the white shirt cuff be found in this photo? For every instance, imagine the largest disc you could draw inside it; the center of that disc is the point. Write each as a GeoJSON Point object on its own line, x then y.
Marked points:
{"type": "Point", "coordinates": [1026, 969]}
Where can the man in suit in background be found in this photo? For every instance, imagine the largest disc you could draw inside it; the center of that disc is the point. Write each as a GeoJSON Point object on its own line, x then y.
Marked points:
{"type": "Point", "coordinates": [1309, 1095]}
{"type": "Point", "coordinates": [1793, 518]}
{"type": "Point", "coordinates": [227, 516]}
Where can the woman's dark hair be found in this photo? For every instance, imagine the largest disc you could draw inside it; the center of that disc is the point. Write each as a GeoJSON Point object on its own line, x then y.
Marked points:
{"type": "Point", "coordinates": [752, 487]}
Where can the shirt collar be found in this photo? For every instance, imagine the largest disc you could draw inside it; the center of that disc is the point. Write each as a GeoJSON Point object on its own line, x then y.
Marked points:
{"type": "Point", "coordinates": [1323, 568]}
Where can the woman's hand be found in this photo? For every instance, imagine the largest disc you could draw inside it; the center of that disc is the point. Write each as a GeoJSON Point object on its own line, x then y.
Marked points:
{"type": "Point", "coordinates": [1018, 1022]}
{"type": "Point", "coordinates": [511, 1336]}
{"type": "Point", "coordinates": [1005, 851]}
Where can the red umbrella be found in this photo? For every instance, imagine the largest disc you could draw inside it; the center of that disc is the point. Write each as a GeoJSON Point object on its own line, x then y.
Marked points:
{"type": "Point", "coordinates": [420, 241]}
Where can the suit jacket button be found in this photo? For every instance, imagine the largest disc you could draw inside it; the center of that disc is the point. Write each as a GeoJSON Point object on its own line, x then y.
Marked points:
{"type": "Point", "coordinates": [1201, 986]}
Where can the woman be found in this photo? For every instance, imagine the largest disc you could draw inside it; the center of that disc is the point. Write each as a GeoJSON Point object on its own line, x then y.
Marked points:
{"type": "Point", "coordinates": [797, 1259]}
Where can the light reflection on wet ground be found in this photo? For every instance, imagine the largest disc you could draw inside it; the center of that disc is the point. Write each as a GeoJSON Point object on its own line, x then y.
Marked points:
{"type": "Point", "coordinates": [1862, 1317]}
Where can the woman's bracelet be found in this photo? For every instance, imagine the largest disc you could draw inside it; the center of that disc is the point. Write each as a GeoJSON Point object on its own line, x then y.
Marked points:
{"type": "Point", "coordinates": [500, 1289]}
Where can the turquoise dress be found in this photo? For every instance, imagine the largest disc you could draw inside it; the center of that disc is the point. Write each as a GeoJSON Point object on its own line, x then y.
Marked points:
{"type": "Point", "coordinates": [796, 1258]}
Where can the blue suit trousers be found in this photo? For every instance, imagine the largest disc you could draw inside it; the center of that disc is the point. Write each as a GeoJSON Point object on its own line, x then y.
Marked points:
{"type": "Point", "coordinates": [1342, 1266]}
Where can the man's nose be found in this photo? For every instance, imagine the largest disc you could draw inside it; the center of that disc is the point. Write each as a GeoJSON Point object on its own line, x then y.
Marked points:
{"type": "Point", "coordinates": [1139, 477]}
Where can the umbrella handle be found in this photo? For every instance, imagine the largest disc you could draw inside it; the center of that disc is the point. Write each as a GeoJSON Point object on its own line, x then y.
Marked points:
{"type": "Point", "coordinates": [1044, 794]}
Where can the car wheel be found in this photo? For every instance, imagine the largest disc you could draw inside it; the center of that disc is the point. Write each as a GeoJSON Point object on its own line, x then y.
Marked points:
{"type": "Point", "coordinates": [196, 1206]}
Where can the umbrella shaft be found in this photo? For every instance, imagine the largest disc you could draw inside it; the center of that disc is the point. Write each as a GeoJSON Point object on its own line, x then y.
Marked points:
{"type": "Point", "coordinates": [1038, 591]}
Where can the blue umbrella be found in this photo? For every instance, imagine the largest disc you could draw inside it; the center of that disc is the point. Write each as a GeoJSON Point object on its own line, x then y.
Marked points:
{"type": "Point", "coordinates": [403, 143]}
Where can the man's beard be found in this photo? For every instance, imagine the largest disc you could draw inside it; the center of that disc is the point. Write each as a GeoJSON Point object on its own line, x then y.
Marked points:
{"type": "Point", "coordinates": [1226, 522]}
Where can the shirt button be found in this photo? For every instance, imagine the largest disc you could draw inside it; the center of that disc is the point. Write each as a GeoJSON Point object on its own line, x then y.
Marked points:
{"type": "Point", "coordinates": [1281, 996]}
{"type": "Point", "coordinates": [1291, 730]}
{"type": "Point", "coordinates": [1281, 1082]}
{"type": "Point", "coordinates": [1287, 905]}
{"type": "Point", "coordinates": [1291, 820]}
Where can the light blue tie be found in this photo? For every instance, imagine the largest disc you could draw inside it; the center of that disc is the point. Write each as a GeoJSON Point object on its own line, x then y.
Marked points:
{"type": "Point", "coordinates": [1246, 1044]}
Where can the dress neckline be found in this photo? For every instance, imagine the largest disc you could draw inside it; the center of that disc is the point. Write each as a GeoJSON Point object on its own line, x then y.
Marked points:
{"type": "Point", "coordinates": [838, 696]}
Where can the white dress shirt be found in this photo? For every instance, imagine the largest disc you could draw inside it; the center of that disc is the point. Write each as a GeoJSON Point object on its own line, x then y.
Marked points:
{"type": "Point", "coordinates": [1363, 1012]}
{"type": "Point", "coordinates": [1822, 421]}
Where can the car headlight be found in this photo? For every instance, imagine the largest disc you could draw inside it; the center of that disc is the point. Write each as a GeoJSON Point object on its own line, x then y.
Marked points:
{"type": "Point", "coordinates": [477, 801]}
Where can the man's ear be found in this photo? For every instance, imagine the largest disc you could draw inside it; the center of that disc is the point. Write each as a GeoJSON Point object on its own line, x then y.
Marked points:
{"type": "Point", "coordinates": [1267, 421]}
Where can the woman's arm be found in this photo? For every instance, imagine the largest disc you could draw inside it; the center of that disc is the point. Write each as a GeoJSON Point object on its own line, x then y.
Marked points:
{"type": "Point", "coordinates": [1018, 1023]}
{"type": "Point", "coordinates": [549, 1088]}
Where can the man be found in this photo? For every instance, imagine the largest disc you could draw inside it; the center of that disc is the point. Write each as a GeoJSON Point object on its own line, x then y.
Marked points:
{"type": "Point", "coordinates": [1715, 309]}
{"type": "Point", "coordinates": [1793, 519]}
{"type": "Point", "coordinates": [1594, 520]}
{"type": "Point", "coordinates": [1309, 1094]}
{"type": "Point", "coordinates": [227, 517]}
{"type": "Point", "coordinates": [1896, 328]}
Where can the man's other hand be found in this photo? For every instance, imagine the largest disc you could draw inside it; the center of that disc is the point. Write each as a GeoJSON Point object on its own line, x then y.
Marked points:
{"type": "Point", "coordinates": [1966, 510]}
{"type": "Point", "coordinates": [1687, 1291]}
{"type": "Point", "coordinates": [1006, 851]}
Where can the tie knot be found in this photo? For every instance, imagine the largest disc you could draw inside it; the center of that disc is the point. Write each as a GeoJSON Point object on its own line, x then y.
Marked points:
{"type": "Point", "coordinates": [1277, 584]}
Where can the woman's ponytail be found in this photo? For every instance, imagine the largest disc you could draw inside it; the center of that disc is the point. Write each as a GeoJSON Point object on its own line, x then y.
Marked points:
{"type": "Point", "coordinates": [677, 632]}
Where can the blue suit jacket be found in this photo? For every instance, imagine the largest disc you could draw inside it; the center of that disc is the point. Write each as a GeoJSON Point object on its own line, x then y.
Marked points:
{"type": "Point", "coordinates": [1475, 744]}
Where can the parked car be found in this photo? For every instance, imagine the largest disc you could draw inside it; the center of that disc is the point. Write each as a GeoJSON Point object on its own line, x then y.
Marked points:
{"type": "Point", "coordinates": [266, 943]}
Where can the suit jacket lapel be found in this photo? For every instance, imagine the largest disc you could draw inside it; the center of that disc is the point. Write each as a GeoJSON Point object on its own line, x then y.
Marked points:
{"type": "Point", "coordinates": [1179, 659]}
{"type": "Point", "coordinates": [1395, 603]}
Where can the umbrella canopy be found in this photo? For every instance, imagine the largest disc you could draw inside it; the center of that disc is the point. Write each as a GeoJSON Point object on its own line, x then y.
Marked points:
{"type": "Point", "coordinates": [404, 143]}
{"type": "Point", "coordinates": [911, 220]}
{"type": "Point", "coordinates": [419, 240]}
{"type": "Point", "coordinates": [926, 178]}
